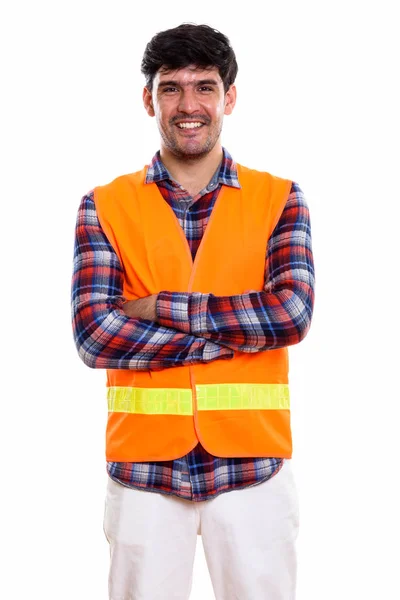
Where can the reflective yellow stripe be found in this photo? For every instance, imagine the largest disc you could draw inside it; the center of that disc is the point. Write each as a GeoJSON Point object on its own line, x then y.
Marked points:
{"type": "Point", "coordinates": [243, 396]}
{"type": "Point", "coordinates": [178, 401]}
{"type": "Point", "coordinates": [150, 401]}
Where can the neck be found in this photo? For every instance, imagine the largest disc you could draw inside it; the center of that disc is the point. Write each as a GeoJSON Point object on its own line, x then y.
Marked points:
{"type": "Point", "coordinates": [193, 173]}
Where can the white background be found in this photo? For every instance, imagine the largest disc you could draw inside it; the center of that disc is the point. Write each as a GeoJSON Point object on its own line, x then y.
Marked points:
{"type": "Point", "coordinates": [317, 103]}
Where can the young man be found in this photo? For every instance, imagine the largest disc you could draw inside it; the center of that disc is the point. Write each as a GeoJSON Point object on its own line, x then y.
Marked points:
{"type": "Point", "coordinates": [192, 276]}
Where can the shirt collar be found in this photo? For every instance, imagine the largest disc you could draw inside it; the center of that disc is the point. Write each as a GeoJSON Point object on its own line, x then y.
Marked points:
{"type": "Point", "coordinates": [226, 174]}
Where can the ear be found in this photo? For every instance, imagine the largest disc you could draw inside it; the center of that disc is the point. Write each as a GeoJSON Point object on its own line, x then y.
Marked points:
{"type": "Point", "coordinates": [148, 102]}
{"type": "Point", "coordinates": [230, 100]}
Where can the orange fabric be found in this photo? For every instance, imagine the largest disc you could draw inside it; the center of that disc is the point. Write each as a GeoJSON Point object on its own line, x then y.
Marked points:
{"type": "Point", "coordinates": [155, 256]}
{"type": "Point", "coordinates": [152, 436]}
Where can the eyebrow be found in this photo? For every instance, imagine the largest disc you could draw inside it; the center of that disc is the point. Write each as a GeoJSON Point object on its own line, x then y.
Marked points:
{"type": "Point", "coordinates": [176, 83]}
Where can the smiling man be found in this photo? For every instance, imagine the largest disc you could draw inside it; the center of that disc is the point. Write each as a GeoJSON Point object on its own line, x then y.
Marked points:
{"type": "Point", "coordinates": [189, 105]}
{"type": "Point", "coordinates": [191, 278]}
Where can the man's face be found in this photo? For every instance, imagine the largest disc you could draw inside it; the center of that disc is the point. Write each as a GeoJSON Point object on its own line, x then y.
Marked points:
{"type": "Point", "coordinates": [189, 105]}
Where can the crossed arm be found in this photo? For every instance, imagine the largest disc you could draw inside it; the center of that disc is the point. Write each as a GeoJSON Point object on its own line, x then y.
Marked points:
{"type": "Point", "coordinates": [173, 329]}
{"type": "Point", "coordinates": [105, 336]}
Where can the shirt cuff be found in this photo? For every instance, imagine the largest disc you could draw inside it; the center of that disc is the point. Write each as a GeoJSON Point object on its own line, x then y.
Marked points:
{"type": "Point", "coordinates": [173, 310]}
{"type": "Point", "coordinates": [119, 301]}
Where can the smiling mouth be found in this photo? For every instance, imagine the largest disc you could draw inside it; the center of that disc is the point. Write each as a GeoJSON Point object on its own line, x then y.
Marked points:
{"type": "Point", "coordinates": [190, 126]}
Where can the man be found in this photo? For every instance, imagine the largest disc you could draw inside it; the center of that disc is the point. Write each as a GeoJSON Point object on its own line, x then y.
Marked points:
{"type": "Point", "coordinates": [191, 278]}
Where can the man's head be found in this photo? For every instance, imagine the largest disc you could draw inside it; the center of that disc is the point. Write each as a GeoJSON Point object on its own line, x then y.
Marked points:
{"type": "Point", "coordinates": [190, 72]}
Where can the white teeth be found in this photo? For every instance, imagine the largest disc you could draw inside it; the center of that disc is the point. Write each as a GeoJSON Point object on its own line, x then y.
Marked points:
{"type": "Point", "coordinates": [189, 125]}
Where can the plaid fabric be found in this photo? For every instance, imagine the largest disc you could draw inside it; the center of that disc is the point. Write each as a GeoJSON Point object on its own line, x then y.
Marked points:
{"type": "Point", "coordinates": [205, 327]}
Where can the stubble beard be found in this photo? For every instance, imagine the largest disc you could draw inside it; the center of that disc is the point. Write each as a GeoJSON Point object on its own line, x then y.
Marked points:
{"type": "Point", "coordinates": [189, 151]}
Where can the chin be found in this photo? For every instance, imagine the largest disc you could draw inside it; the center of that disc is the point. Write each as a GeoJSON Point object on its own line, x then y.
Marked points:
{"type": "Point", "coordinates": [195, 150]}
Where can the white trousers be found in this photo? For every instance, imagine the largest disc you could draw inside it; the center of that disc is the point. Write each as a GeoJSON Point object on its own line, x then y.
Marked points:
{"type": "Point", "coordinates": [248, 538]}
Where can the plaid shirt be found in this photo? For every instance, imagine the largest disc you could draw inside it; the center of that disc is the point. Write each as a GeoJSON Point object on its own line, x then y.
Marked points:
{"type": "Point", "coordinates": [191, 327]}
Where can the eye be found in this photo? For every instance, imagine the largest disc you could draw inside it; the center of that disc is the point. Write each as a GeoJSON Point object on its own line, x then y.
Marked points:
{"type": "Point", "coordinates": [169, 90]}
{"type": "Point", "coordinates": [205, 88]}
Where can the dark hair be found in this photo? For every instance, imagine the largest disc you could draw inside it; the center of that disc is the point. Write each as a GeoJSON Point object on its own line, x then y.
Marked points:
{"type": "Point", "coordinates": [190, 44]}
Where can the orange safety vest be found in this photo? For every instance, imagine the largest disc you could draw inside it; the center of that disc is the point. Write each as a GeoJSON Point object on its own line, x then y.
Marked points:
{"type": "Point", "coordinates": [235, 407]}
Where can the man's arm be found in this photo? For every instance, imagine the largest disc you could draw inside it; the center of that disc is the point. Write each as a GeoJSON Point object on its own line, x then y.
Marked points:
{"type": "Point", "coordinates": [105, 336]}
{"type": "Point", "coordinates": [276, 317]}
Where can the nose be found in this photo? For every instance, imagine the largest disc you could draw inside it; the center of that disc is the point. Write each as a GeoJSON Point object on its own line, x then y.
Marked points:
{"type": "Point", "coordinates": [188, 102]}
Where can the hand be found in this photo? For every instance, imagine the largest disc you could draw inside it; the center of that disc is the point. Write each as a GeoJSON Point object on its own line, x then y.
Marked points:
{"type": "Point", "coordinates": [143, 308]}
